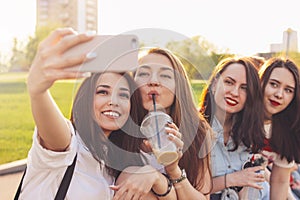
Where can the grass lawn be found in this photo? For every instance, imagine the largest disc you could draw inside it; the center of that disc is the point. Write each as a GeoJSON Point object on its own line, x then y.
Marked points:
{"type": "Point", "coordinates": [16, 122]}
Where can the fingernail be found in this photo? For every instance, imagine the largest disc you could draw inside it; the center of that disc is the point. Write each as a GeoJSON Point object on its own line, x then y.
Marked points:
{"type": "Point", "coordinates": [90, 33]}
{"type": "Point", "coordinates": [86, 74]}
{"type": "Point", "coordinates": [169, 122]}
{"type": "Point", "coordinates": [171, 136]}
{"type": "Point", "coordinates": [91, 55]}
{"type": "Point", "coordinates": [168, 128]}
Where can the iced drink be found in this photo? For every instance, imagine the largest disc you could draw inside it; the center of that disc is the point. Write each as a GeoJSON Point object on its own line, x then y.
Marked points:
{"type": "Point", "coordinates": [153, 127]}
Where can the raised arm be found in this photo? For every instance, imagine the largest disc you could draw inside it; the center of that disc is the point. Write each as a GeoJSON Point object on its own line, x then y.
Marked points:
{"type": "Point", "coordinates": [48, 67]}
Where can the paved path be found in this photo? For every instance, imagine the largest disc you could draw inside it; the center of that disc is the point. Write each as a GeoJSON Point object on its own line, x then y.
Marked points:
{"type": "Point", "coordinates": [9, 184]}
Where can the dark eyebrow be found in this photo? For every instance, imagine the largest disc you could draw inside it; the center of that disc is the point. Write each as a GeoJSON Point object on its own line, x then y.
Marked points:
{"type": "Point", "coordinates": [124, 89]}
{"type": "Point", "coordinates": [161, 68]}
{"type": "Point", "coordinates": [231, 79]}
{"type": "Point", "coordinates": [144, 66]}
{"type": "Point", "coordinates": [107, 86]}
{"type": "Point", "coordinates": [167, 68]}
{"type": "Point", "coordinates": [275, 80]}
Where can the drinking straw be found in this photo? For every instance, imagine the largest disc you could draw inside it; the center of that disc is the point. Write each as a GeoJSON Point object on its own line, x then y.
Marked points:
{"type": "Point", "coordinates": [156, 121]}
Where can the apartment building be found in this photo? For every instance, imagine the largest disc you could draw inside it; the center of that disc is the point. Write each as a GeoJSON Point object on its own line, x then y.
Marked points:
{"type": "Point", "coordinates": [82, 15]}
{"type": "Point", "coordinates": [289, 42]}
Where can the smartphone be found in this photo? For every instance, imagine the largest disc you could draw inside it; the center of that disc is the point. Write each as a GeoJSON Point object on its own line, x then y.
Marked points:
{"type": "Point", "coordinates": [116, 53]}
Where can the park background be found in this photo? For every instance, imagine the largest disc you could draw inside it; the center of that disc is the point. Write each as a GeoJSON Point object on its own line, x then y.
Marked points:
{"type": "Point", "coordinates": [215, 29]}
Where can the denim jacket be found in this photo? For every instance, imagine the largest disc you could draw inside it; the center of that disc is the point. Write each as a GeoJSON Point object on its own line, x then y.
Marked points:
{"type": "Point", "coordinates": [224, 161]}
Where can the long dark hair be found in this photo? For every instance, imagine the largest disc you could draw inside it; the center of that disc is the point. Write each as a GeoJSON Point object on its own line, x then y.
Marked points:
{"type": "Point", "coordinates": [285, 137]}
{"type": "Point", "coordinates": [115, 156]}
{"type": "Point", "coordinates": [191, 124]}
{"type": "Point", "coordinates": [248, 123]}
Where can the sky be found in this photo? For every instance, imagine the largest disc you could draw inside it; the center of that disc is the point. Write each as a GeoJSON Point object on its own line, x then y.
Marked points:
{"type": "Point", "coordinates": [242, 26]}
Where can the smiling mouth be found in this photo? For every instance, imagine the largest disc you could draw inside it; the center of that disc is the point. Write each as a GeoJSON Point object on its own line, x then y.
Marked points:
{"type": "Point", "coordinates": [231, 102]}
{"type": "Point", "coordinates": [111, 114]}
{"type": "Point", "coordinates": [274, 103]}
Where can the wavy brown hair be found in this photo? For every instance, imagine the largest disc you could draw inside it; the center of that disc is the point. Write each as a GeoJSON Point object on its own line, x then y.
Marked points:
{"type": "Point", "coordinates": [285, 137]}
{"type": "Point", "coordinates": [194, 128]}
{"type": "Point", "coordinates": [115, 155]}
{"type": "Point", "coordinates": [247, 125]}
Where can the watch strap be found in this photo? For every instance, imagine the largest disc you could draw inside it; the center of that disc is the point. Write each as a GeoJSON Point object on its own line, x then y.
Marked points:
{"type": "Point", "coordinates": [181, 178]}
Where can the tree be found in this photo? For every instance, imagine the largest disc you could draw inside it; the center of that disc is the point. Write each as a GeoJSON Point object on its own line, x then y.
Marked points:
{"type": "Point", "coordinates": [3, 63]}
{"type": "Point", "coordinates": [40, 34]}
{"type": "Point", "coordinates": [198, 55]}
{"type": "Point", "coordinates": [295, 56]}
{"type": "Point", "coordinates": [17, 61]}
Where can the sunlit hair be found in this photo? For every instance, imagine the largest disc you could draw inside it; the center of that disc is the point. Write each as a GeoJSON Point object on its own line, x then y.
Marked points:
{"type": "Point", "coordinates": [247, 127]}
{"type": "Point", "coordinates": [257, 61]}
{"type": "Point", "coordinates": [285, 137]}
{"type": "Point", "coordinates": [194, 128]}
{"type": "Point", "coordinates": [104, 149]}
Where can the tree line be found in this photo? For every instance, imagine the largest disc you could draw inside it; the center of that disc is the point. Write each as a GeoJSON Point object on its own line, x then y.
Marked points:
{"type": "Point", "coordinates": [198, 55]}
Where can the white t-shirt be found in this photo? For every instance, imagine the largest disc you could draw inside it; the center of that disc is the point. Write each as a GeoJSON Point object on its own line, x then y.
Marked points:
{"type": "Point", "coordinates": [45, 170]}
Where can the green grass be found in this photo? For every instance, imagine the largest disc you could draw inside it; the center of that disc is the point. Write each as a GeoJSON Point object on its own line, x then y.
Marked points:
{"type": "Point", "coordinates": [197, 87]}
{"type": "Point", "coordinates": [16, 122]}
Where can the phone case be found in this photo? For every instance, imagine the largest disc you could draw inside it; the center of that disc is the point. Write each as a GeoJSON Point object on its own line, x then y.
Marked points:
{"type": "Point", "coordinates": [115, 53]}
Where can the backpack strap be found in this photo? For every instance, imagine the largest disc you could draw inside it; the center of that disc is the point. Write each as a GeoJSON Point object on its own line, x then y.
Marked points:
{"type": "Point", "coordinates": [63, 187]}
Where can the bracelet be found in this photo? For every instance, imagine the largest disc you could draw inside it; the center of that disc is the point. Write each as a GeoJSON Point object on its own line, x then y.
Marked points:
{"type": "Point", "coordinates": [168, 190]}
{"type": "Point", "coordinates": [181, 178]}
{"type": "Point", "coordinates": [225, 180]}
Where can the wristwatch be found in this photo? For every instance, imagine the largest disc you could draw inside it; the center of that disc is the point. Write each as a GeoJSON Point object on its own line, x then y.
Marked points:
{"type": "Point", "coordinates": [181, 178]}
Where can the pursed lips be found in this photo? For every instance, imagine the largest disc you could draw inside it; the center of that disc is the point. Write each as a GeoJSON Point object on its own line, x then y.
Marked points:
{"type": "Point", "coordinates": [152, 92]}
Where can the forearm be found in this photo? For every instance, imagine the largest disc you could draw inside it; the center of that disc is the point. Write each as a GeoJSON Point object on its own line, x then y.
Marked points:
{"type": "Point", "coordinates": [184, 189]}
{"type": "Point", "coordinates": [279, 182]}
{"type": "Point", "coordinates": [53, 129]}
{"type": "Point", "coordinates": [219, 183]}
{"type": "Point", "coordinates": [163, 185]}
{"type": "Point", "coordinates": [225, 181]}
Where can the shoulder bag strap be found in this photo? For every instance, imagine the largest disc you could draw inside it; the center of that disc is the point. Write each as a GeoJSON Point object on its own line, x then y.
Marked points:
{"type": "Point", "coordinates": [20, 186]}
{"type": "Point", "coordinates": [65, 183]}
{"type": "Point", "coordinates": [63, 187]}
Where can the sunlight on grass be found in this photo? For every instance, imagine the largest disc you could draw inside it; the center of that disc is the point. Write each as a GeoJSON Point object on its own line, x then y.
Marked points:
{"type": "Point", "coordinates": [16, 122]}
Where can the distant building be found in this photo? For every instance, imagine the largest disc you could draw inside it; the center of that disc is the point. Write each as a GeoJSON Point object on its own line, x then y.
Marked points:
{"type": "Point", "coordinates": [289, 42]}
{"type": "Point", "coordinates": [82, 15]}
{"type": "Point", "coordinates": [274, 48]}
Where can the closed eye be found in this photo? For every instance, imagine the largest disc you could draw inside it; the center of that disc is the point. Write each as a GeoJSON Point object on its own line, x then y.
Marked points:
{"type": "Point", "coordinates": [166, 76]}
{"type": "Point", "coordinates": [124, 95]}
{"type": "Point", "coordinates": [143, 74]}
